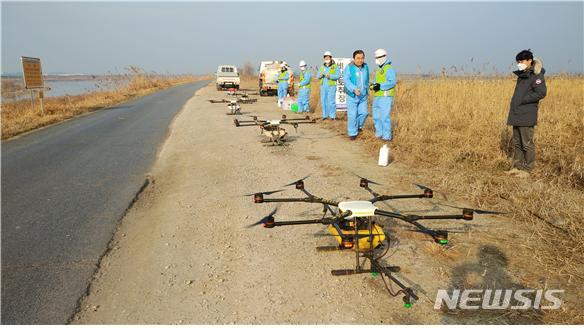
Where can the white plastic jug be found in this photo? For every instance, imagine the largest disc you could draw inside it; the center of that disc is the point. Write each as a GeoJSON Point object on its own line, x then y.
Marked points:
{"type": "Point", "coordinates": [383, 156]}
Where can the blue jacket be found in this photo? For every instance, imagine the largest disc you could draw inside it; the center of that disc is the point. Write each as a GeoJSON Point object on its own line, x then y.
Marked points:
{"type": "Point", "coordinates": [356, 78]}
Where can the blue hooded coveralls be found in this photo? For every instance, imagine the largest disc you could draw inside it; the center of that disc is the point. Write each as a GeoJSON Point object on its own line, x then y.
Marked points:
{"type": "Point", "coordinates": [304, 92]}
{"type": "Point", "coordinates": [328, 92]}
{"type": "Point", "coordinates": [382, 106]}
{"type": "Point", "coordinates": [283, 85]}
{"type": "Point", "coordinates": [357, 111]}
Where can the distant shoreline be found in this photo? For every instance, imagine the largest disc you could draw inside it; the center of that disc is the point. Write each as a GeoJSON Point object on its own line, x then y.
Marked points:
{"type": "Point", "coordinates": [66, 77]}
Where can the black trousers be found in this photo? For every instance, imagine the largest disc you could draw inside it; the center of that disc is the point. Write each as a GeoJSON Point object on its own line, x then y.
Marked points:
{"type": "Point", "coordinates": [524, 148]}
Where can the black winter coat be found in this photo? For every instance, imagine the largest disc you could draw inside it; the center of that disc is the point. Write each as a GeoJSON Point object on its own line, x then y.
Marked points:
{"type": "Point", "coordinates": [529, 90]}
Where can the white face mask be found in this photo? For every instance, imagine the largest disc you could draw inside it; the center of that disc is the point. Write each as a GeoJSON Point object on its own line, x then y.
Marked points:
{"type": "Point", "coordinates": [380, 61]}
{"type": "Point", "coordinates": [303, 68]}
{"type": "Point", "coordinates": [521, 66]}
{"type": "Point", "coordinates": [327, 61]}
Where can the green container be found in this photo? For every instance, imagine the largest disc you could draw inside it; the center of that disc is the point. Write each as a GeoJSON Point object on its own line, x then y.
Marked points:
{"type": "Point", "coordinates": [294, 108]}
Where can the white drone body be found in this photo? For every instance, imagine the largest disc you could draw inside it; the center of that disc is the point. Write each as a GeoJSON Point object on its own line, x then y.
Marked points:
{"type": "Point", "coordinates": [358, 208]}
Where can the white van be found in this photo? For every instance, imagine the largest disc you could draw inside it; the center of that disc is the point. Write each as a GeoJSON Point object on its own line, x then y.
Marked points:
{"type": "Point", "coordinates": [227, 77]}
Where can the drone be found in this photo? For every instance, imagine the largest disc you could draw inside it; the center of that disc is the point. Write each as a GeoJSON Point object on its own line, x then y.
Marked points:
{"type": "Point", "coordinates": [232, 105]}
{"type": "Point", "coordinates": [242, 99]}
{"type": "Point", "coordinates": [276, 135]}
{"type": "Point", "coordinates": [234, 108]}
{"type": "Point", "coordinates": [353, 227]}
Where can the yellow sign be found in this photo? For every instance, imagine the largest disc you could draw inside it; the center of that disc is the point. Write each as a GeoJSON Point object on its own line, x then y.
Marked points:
{"type": "Point", "coordinates": [32, 72]}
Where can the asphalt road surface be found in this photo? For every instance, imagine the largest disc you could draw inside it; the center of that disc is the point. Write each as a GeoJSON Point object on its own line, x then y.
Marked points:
{"type": "Point", "coordinates": [64, 189]}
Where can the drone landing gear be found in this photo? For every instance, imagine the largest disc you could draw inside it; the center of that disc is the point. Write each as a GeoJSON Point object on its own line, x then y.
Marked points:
{"type": "Point", "coordinates": [374, 272]}
{"type": "Point", "coordinates": [331, 248]}
{"type": "Point", "coordinates": [364, 228]}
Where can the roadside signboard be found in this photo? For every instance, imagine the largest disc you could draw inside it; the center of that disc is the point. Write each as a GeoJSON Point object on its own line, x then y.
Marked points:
{"type": "Point", "coordinates": [341, 97]}
{"type": "Point", "coordinates": [32, 73]}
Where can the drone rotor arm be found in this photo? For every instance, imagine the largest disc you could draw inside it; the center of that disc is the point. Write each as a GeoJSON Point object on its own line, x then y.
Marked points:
{"type": "Point", "coordinates": [379, 198]}
{"type": "Point", "coordinates": [300, 200]}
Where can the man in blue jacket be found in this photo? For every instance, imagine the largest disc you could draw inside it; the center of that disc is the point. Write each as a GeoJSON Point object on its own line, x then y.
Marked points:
{"type": "Point", "coordinates": [384, 91]}
{"type": "Point", "coordinates": [356, 79]}
{"type": "Point", "coordinates": [529, 90]}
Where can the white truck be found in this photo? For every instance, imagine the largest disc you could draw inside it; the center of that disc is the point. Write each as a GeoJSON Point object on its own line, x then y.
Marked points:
{"type": "Point", "coordinates": [227, 77]}
{"type": "Point", "coordinates": [269, 71]}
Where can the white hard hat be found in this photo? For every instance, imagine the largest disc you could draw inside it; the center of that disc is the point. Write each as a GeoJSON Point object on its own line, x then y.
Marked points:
{"type": "Point", "coordinates": [284, 64]}
{"type": "Point", "coordinates": [327, 53]}
{"type": "Point", "coordinates": [380, 53]}
{"type": "Point", "coordinates": [302, 63]}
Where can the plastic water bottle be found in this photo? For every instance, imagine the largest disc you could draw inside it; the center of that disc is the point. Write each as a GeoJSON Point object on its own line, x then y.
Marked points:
{"type": "Point", "coordinates": [383, 156]}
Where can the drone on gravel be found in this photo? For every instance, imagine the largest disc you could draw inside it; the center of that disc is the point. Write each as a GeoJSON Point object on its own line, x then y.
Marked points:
{"type": "Point", "coordinates": [354, 227]}
{"type": "Point", "coordinates": [272, 130]}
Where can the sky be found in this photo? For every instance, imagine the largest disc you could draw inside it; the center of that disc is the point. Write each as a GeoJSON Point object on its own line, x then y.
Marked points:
{"type": "Point", "coordinates": [196, 37]}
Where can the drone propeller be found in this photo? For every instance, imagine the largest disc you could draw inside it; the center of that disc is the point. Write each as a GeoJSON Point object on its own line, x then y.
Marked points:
{"type": "Point", "coordinates": [267, 220]}
{"type": "Point", "coordinates": [420, 186]}
{"type": "Point", "coordinates": [265, 192]}
{"type": "Point", "coordinates": [364, 181]}
{"type": "Point", "coordinates": [298, 183]}
{"type": "Point", "coordinates": [428, 192]}
{"type": "Point", "coordinates": [477, 211]}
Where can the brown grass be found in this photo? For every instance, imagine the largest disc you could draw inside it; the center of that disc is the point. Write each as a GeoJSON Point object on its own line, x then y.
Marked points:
{"type": "Point", "coordinates": [452, 133]}
{"type": "Point", "coordinates": [20, 116]}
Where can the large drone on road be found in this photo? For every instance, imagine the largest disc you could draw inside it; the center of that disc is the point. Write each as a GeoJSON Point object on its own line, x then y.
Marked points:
{"type": "Point", "coordinates": [351, 224]}
{"type": "Point", "coordinates": [276, 135]}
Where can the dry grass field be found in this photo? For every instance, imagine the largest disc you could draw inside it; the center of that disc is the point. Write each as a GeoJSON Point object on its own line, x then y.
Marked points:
{"type": "Point", "coordinates": [455, 130]}
{"type": "Point", "coordinates": [452, 133]}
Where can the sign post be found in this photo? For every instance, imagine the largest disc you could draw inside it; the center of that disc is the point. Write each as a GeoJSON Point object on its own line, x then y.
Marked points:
{"type": "Point", "coordinates": [32, 74]}
{"type": "Point", "coordinates": [341, 97]}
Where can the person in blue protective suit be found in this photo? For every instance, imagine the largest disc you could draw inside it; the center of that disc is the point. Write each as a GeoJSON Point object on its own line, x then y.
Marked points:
{"type": "Point", "coordinates": [304, 88]}
{"type": "Point", "coordinates": [356, 78]}
{"type": "Point", "coordinates": [383, 90]}
{"type": "Point", "coordinates": [283, 84]}
{"type": "Point", "coordinates": [328, 74]}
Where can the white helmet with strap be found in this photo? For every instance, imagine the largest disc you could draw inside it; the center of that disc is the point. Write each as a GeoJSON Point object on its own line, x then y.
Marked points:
{"type": "Point", "coordinates": [380, 56]}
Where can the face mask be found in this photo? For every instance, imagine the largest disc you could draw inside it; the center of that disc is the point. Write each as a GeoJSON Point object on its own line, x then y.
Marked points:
{"type": "Point", "coordinates": [380, 61]}
{"type": "Point", "coordinates": [521, 66]}
{"type": "Point", "coordinates": [327, 61]}
{"type": "Point", "coordinates": [303, 68]}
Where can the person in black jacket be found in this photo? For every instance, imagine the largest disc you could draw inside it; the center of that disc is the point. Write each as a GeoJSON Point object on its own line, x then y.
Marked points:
{"type": "Point", "coordinates": [529, 90]}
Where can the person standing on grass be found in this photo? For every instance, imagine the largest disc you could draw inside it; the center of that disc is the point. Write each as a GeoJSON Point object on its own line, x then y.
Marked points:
{"type": "Point", "coordinates": [384, 91]}
{"type": "Point", "coordinates": [283, 83]}
{"type": "Point", "coordinates": [328, 74]}
{"type": "Point", "coordinates": [356, 78]}
{"type": "Point", "coordinates": [529, 90]}
{"type": "Point", "coordinates": [304, 88]}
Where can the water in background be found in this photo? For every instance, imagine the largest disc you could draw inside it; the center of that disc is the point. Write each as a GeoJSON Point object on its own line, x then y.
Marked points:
{"type": "Point", "coordinates": [60, 88]}
{"type": "Point", "coordinates": [75, 87]}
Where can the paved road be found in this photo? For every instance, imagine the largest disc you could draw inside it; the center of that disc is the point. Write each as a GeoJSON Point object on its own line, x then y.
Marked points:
{"type": "Point", "coordinates": [64, 189]}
